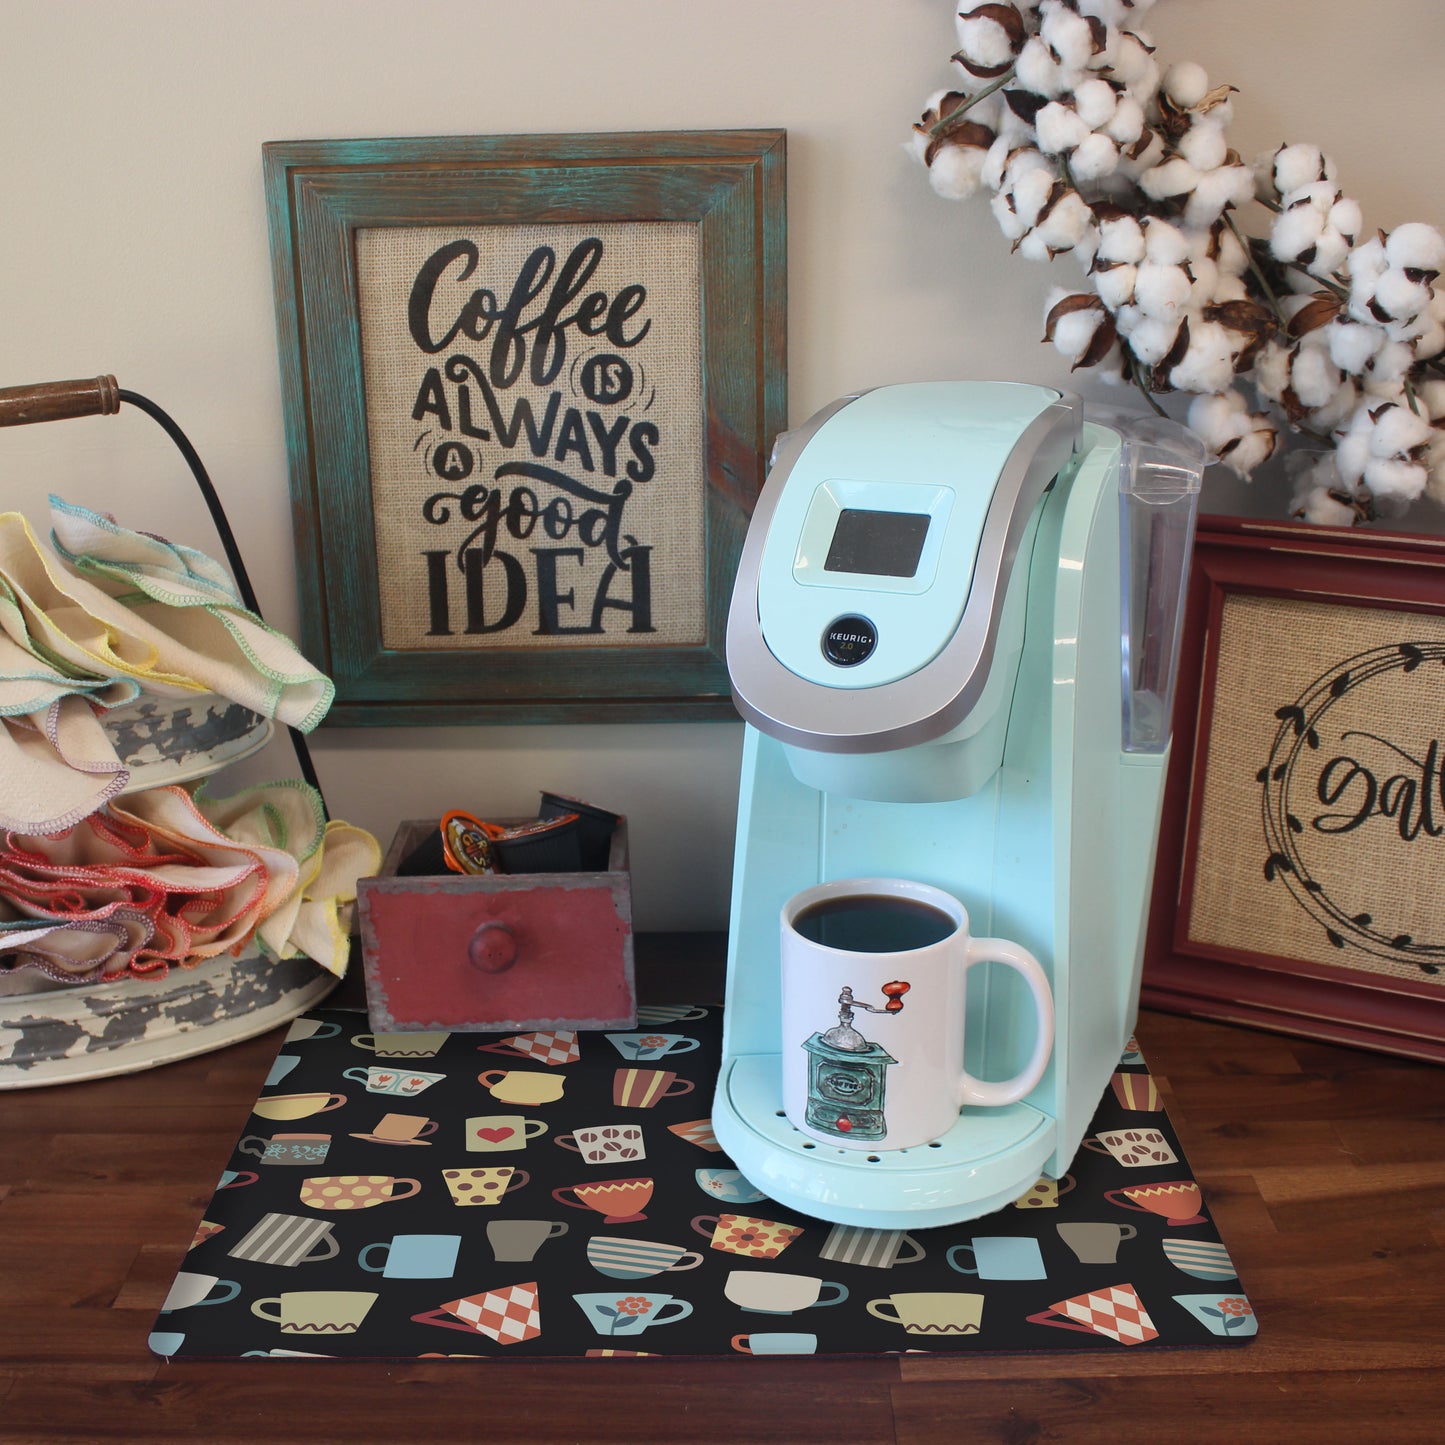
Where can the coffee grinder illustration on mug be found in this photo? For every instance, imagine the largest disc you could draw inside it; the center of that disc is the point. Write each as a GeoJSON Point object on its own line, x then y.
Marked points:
{"type": "Point", "coordinates": [847, 1074]}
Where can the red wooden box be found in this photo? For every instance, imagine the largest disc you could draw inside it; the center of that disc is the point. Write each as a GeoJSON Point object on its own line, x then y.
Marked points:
{"type": "Point", "coordinates": [497, 951]}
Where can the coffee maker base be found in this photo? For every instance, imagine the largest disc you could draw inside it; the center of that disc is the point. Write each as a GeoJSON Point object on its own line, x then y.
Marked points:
{"type": "Point", "coordinates": [986, 1161]}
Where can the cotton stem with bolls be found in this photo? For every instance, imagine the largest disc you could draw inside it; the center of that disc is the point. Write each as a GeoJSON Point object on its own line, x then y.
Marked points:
{"type": "Point", "coordinates": [1318, 329]}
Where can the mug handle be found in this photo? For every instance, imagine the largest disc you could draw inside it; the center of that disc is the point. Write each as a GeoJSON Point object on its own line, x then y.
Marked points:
{"type": "Point", "coordinates": [836, 1299]}
{"type": "Point", "coordinates": [329, 1250]}
{"type": "Point", "coordinates": [1097, 1145]}
{"type": "Point", "coordinates": [430, 1127]}
{"type": "Point", "coordinates": [258, 1307]}
{"type": "Point", "coordinates": [518, 1179]}
{"type": "Point", "coordinates": [361, 1258]}
{"type": "Point", "coordinates": [684, 1045]}
{"type": "Point", "coordinates": [415, 1188]}
{"type": "Point", "coordinates": [533, 1133]}
{"type": "Point", "coordinates": [745, 1347]}
{"type": "Point", "coordinates": [359, 1074]}
{"type": "Point", "coordinates": [432, 1317]}
{"type": "Point", "coordinates": [562, 1189]}
{"type": "Point", "coordinates": [708, 1220]}
{"type": "Point", "coordinates": [954, 1264]}
{"type": "Point", "coordinates": [663, 1318]}
{"type": "Point", "coordinates": [1050, 1317]}
{"type": "Point", "coordinates": [485, 1077]}
{"type": "Point", "coordinates": [256, 1139]}
{"type": "Point", "coordinates": [242, 1179]}
{"type": "Point", "coordinates": [337, 1100]}
{"type": "Point", "coordinates": [365, 1041]}
{"type": "Point", "coordinates": [689, 1260]}
{"type": "Point", "coordinates": [918, 1251]}
{"type": "Point", "coordinates": [671, 1092]}
{"type": "Point", "coordinates": [1124, 1203]}
{"type": "Point", "coordinates": [1065, 1182]}
{"type": "Point", "coordinates": [505, 1049]}
{"type": "Point", "coordinates": [328, 1030]}
{"type": "Point", "coordinates": [566, 1141]}
{"type": "Point", "coordinates": [559, 1227]}
{"type": "Point", "coordinates": [877, 1306]}
{"type": "Point", "coordinates": [232, 1290]}
{"type": "Point", "coordinates": [1010, 1091]}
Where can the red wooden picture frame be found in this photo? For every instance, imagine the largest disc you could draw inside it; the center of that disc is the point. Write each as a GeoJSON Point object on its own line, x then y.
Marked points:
{"type": "Point", "coordinates": [1265, 984]}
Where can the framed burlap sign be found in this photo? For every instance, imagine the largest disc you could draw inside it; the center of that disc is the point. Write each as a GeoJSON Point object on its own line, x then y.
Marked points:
{"type": "Point", "coordinates": [1300, 882]}
{"type": "Point", "coordinates": [530, 386]}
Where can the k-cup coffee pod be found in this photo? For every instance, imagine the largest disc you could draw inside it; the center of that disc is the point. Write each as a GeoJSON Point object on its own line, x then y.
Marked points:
{"type": "Point", "coordinates": [595, 827]}
{"type": "Point", "coordinates": [467, 842]}
{"type": "Point", "coordinates": [550, 845]}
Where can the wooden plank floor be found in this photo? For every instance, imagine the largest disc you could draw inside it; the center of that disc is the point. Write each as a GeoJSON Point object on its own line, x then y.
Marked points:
{"type": "Point", "coordinates": [1324, 1168]}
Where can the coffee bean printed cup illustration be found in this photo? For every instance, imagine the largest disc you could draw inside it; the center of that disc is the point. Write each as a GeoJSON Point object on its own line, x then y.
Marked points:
{"type": "Point", "coordinates": [493, 1133]}
{"type": "Point", "coordinates": [526, 1087]}
{"type": "Point", "coordinates": [470, 1188]}
{"type": "Point", "coordinates": [316, 1311]}
{"type": "Point", "coordinates": [356, 1191]}
{"type": "Point", "coordinates": [743, 1234]}
{"type": "Point", "coordinates": [651, 1045]}
{"type": "Point", "coordinates": [287, 1148]}
{"type": "Point", "coordinates": [1179, 1201]}
{"type": "Point", "coordinates": [401, 1045]}
{"type": "Point", "coordinates": [508, 1315]}
{"type": "Point", "coordinates": [770, 1292]}
{"type": "Point", "coordinates": [297, 1106]}
{"type": "Point", "coordinates": [614, 1313]}
{"type": "Point", "coordinates": [287, 1240]}
{"type": "Point", "coordinates": [931, 1312]}
{"type": "Point", "coordinates": [1045, 1193]}
{"type": "Point", "coordinates": [619, 1201]}
{"type": "Point", "coordinates": [1134, 1148]}
{"type": "Point", "coordinates": [645, 1088]}
{"type": "Point", "coordinates": [621, 1258]}
{"type": "Point", "coordinates": [606, 1143]}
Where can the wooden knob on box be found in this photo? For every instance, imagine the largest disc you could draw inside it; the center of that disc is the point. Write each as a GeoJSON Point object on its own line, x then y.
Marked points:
{"type": "Point", "coordinates": [493, 948]}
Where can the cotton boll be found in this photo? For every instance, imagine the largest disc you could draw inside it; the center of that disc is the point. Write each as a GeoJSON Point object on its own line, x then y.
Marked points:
{"type": "Point", "coordinates": [956, 171]}
{"type": "Point", "coordinates": [1031, 192]}
{"type": "Point", "coordinates": [1395, 480]}
{"type": "Point", "coordinates": [1397, 431]}
{"type": "Point", "coordinates": [1121, 238]}
{"type": "Point", "coordinates": [1352, 345]}
{"type": "Point", "coordinates": [1253, 449]}
{"type": "Point", "coordinates": [1416, 246]}
{"type": "Point", "coordinates": [1061, 227]}
{"type": "Point", "coordinates": [1009, 221]}
{"type": "Point", "coordinates": [1186, 84]}
{"type": "Point", "coordinates": [1352, 446]}
{"type": "Point", "coordinates": [1152, 339]}
{"type": "Point", "coordinates": [1204, 145]}
{"type": "Point", "coordinates": [1218, 418]}
{"type": "Point", "coordinates": [1060, 128]}
{"type": "Point", "coordinates": [1205, 276]}
{"type": "Point", "coordinates": [1164, 245]}
{"type": "Point", "coordinates": [985, 42]}
{"type": "Point", "coordinates": [1096, 102]}
{"type": "Point", "coordinates": [1230, 288]}
{"type": "Point", "coordinates": [1162, 291]}
{"type": "Point", "coordinates": [1291, 166]}
{"type": "Point", "coordinates": [1272, 369]}
{"type": "Point", "coordinates": [1115, 285]}
{"type": "Point", "coordinates": [1229, 253]}
{"type": "Point", "coordinates": [1389, 368]}
{"type": "Point", "coordinates": [1215, 192]}
{"type": "Point", "coordinates": [1074, 332]}
{"type": "Point", "coordinates": [1112, 12]}
{"type": "Point", "coordinates": [1431, 340]}
{"type": "Point", "coordinates": [1095, 158]}
{"type": "Point", "coordinates": [1126, 125]}
{"type": "Point", "coordinates": [1208, 362]}
{"type": "Point", "coordinates": [1316, 378]}
{"type": "Point", "coordinates": [1038, 71]}
{"type": "Point", "coordinates": [1321, 508]}
{"type": "Point", "coordinates": [1398, 298]}
{"type": "Point", "coordinates": [1068, 35]}
{"type": "Point", "coordinates": [1146, 153]}
{"type": "Point", "coordinates": [1173, 177]}
{"type": "Point", "coordinates": [1295, 232]}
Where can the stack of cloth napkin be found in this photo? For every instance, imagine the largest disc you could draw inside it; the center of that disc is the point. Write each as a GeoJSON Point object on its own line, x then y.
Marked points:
{"type": "Point", "coordinates": [95, 882]}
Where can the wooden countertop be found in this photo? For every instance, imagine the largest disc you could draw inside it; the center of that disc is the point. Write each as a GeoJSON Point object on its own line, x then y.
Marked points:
{"type": "Point", "coordinates": [1323, 1167]}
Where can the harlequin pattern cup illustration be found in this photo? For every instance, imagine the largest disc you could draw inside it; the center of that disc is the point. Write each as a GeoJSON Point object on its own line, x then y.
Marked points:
{"type": "Point", "coordinates": [401, 1045]}
{"type": "Point", "coordinates": [651, 1045]}
{"type": "Point", "coordinates": [931, 1312]}
{"type": "Point", "coordinates": [553, 1047]}
{"type": "Point", "coordinates": [522, 1086]}
{"type": "Point", "coordinates": [355, 1191]}
{"type": "Point", "coordinates": [615, 1313]}
{"type": "Point", "coordinates": [1117, 1313]}
{"type": "Point", "coordinates": [619, 1201]}
{"type": "Point", "coordinates": [770, 1292]}
{"type": "Point", "coordinates": [743, 1234]}
{"type": "Point", "coordinates": [316, 1311]}
{"type": "Point", "coordinates": [287, 1148]}
{"type": "Point", "coordinates": [507, 1316]}
{"type": "Point", "coordinates": [621, 1258]}
{"type": "Point", "coordinates": [484, 1187]}
{"type": "Point", "coordinates": [643, 1088]}
{"type": "Point", "coordinates": [1178, 1201]}
{"type": "Point", "coordinates": [492, 1133]}
{"type": "Point", "coordinates": [1045, 1193]}
{"type": "Point", "coordinates": [606, 1143]}
{"type": "Point", "coordinates": [297, 1106]}
{"type": "Point", "coordinates": [1134, 1148]}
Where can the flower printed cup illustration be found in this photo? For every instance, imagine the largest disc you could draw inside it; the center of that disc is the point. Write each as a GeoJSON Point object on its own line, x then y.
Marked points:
{"type": "Point", "coordinates": [1221, 1314]}
{"type": "Point", "coordinates": [644, 1046]}
{"type": "Point", "coordinates": [619, 1201]}
{"type": "Point", "coordinates": [380, 1079]}
{"type": "Point", "coordinates": [743, 1234]}
{"type": "Point", "coordinates": [614, 1313]}
{"type": "Point", "coordinates": [287, 1148]}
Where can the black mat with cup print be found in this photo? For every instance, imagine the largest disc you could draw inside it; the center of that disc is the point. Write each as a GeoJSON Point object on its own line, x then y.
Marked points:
{"type": "Point", "coordinates": [547, 1195]}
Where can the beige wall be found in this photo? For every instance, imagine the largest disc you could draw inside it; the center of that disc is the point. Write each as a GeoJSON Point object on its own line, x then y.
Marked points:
{"type": "Point", "coordinates": [134, 241]}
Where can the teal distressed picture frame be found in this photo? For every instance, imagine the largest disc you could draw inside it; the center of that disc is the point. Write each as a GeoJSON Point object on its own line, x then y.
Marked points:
{"type": "Point", "coordinates": [478, 468]}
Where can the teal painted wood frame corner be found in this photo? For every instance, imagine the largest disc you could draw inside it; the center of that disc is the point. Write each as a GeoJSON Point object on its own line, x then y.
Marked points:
{"type": "Point", "coordinates": [318, 194]}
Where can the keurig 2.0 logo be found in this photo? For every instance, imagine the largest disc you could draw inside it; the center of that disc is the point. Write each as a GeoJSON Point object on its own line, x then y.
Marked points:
{"type": "Point", "coordinates": [849, 640]}
{"type": "Point", "coordinates": [1353, 786]}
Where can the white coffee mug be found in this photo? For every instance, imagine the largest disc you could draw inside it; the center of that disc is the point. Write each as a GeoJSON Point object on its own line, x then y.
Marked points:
{"type": "Point", "coordinates": [872, 1036]}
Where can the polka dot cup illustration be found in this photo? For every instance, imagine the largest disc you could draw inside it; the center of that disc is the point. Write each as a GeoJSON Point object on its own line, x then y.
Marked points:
{"type": "Point", "coordinates": [355, 1191]}
{"type": "Point", "coordinates": [485, 1187]}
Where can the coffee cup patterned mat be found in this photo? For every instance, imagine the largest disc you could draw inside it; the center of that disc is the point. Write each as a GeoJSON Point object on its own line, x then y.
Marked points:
{"type": "Point", "coordinates": [547, 1195]}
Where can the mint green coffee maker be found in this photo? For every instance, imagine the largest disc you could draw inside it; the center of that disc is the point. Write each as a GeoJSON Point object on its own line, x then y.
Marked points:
{"type": "Point", "coordinates": [953, 639]}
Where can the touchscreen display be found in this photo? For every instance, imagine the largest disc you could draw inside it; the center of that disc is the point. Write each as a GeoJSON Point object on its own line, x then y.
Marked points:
{"type": "Point", "coordinates": [877, 544]}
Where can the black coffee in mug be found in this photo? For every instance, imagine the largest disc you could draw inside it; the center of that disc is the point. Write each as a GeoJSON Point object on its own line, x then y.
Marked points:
{"type": "Point", "coordinates": [873, 923]}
